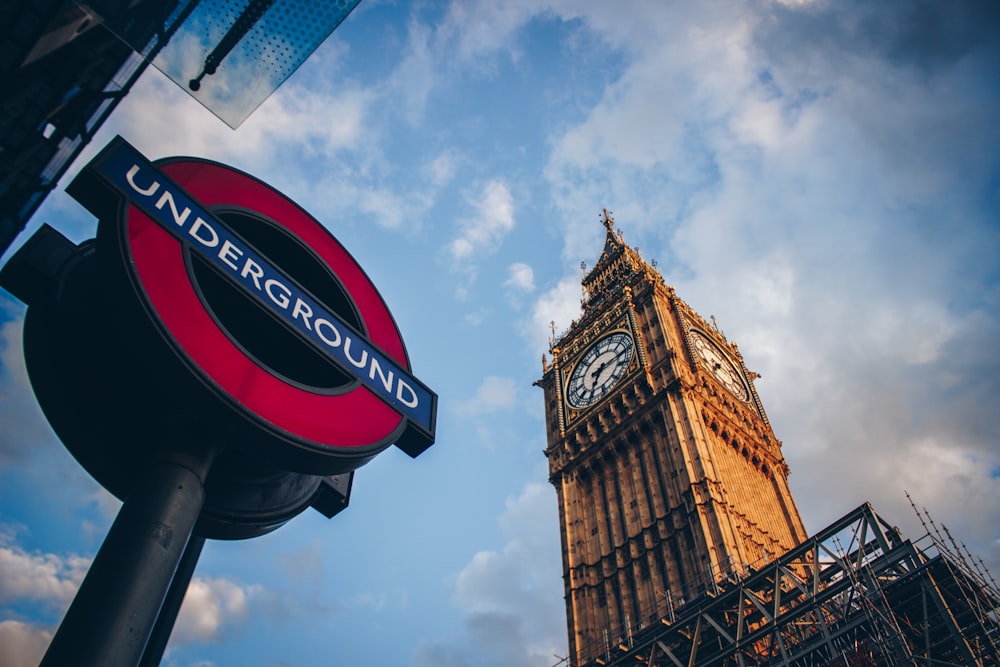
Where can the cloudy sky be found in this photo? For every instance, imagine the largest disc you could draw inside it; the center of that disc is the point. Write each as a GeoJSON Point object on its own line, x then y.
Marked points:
{"type": "Point", "coordinates": [822, 177]}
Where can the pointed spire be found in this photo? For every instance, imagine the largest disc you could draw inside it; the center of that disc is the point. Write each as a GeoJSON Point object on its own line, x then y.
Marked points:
{"type": "Point", "coordinates": [606, 219]}
{"type": "Point", "coordinates": [617, 265]}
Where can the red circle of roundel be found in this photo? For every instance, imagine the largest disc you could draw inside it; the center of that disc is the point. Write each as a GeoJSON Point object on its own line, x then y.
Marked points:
{"type": "Point", "coordinates": [355, 419]}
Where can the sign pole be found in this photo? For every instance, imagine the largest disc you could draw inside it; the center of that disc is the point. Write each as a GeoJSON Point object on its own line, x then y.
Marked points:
{"type": "Point", "coordinates": [111, 618]}
{"type": "Point", "coordinates": [157, 644]}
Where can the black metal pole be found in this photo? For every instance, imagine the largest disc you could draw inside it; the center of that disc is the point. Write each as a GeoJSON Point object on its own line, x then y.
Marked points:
{"type": "Point", "coordinates": [111, 617]}
{"type": "Point", "coordinates": [244, 23]}
{"type": "Point", "coordinates": [165, 620]}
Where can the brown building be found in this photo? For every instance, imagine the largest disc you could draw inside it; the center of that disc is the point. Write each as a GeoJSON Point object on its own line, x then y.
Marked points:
{"type": "Point", "coordinates": [669, 477]}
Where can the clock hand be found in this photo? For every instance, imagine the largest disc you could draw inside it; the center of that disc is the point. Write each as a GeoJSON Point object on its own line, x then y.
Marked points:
{"type": "Point", "coordinates": [597, 372]}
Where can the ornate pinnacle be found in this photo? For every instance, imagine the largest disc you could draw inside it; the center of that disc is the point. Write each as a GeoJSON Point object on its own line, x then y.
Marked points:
{"type": "Point", "coordinates": [606, 218]}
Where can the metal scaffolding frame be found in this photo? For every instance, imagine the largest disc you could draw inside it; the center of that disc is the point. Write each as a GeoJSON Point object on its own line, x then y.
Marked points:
{"type": "Point", "coordinates": [855, 594]}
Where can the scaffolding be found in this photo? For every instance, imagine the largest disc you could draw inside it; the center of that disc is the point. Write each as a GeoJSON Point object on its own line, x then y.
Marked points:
{"type": "Point", "coordinates": [857, 594]}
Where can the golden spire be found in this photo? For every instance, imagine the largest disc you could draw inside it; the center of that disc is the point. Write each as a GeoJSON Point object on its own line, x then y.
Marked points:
{"type": "Point", "coordinates": [618, 265]}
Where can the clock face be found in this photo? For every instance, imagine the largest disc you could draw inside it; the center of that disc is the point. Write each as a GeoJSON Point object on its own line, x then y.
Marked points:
{"type": "Point", "coordinates": [720, 365]}
{"type": "Point", "coordinates": [599, 369]}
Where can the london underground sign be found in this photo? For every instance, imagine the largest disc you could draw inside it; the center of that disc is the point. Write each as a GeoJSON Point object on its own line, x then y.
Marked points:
{"type": "Point", "coordinates": [217, 360]}
{"type": "Point", "coordinates": [183, 224]}
{"type": "Point", "coordinates": [211, 314]}
{"type": "Point", "coordinates": [166, 204]}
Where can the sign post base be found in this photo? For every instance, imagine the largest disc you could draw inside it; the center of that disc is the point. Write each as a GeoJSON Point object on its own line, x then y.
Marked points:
{"type": "Point", "coordinates": [111, 618]}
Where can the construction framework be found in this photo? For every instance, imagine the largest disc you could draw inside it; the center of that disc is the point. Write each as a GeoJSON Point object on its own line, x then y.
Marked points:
{"type": "Point", "coordinates": [855, 594]}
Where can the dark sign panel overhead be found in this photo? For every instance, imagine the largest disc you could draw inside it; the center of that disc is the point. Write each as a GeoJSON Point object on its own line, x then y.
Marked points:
{"type": "Point", "coordinates": [230, 55]}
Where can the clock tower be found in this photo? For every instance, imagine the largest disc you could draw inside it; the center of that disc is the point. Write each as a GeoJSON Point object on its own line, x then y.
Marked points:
{"type": "Point", "coordinates": [668, 475]}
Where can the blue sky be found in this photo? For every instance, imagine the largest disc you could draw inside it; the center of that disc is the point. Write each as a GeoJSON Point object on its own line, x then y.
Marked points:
{"type": "Point", "coordinates": [823, 177]}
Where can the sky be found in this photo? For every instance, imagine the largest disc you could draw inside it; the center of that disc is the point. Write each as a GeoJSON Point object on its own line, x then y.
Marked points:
{"type": "Point", "coordinates": [822, 177]}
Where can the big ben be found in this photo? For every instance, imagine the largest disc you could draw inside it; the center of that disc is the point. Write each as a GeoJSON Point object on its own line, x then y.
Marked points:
{"type": "Point", "coordinates": [668, 475]}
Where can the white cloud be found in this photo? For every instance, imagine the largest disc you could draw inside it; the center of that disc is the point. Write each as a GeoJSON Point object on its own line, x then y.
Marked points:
{"type": "Point", "coordinates": [493, 220]}
{"type": "Point", "coordinates": [25, 433]}
{"type": "Point", "coordinates": [556, 307]}
{"type": "Point", "coordinates": [388, 210]}
{"type": "Point", "coordinates": [520, 277]}
{"type": "Point", "coordinates": [42, 577]}
{"type": "Point", "coordinates": [212, 607]}
{"type": "Point", "coordinates": [508, 581]}
{"type": "Point", "coordinates": [494, 394]}
{"type": "Point", "coordinates": [414, 78]}
{"type": "Point", "coordinates": [22, 644]}
{"type": "Point", "coordinates": [395, 600]}
{"type": "Point", "coordinates": [512, 598]}
{"type": "Point", "coordinates": [485, 27]}
{"type": "Point", "coordinates": [477, 317]}
{"type": "Point", "coordinates": [480, 235]}
{"type": "Point", "coordinates": [441, 170]}
{"type": "Point", "coordinates": [760, 122]}
{"type": "Point", "coordinates": [769, 284]}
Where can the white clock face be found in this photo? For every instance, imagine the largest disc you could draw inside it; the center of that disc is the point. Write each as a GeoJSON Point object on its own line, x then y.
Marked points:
{"type": "Point", "coordinates": [720, 366]}
{"type": "Point", "coordinates": [599, 369]}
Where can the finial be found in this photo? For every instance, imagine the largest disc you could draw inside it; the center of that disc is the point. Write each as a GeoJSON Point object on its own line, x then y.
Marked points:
{"type": "Point", "coordinates": [653, 263]}
{"type": "Point", "coordinates": [606, 218]}
{"type": "Point", "coordinates": [583, 268]}
{"type": "Point", "coordinates": [715, 325]}
{"type": "Point", "coordinates": [552, 332]}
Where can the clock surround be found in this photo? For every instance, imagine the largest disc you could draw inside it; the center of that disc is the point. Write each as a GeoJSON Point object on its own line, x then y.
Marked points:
{"type": "Point", "coordinates": [601, 367]}
{"type": "Point", "coordinates": [720, 365]}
